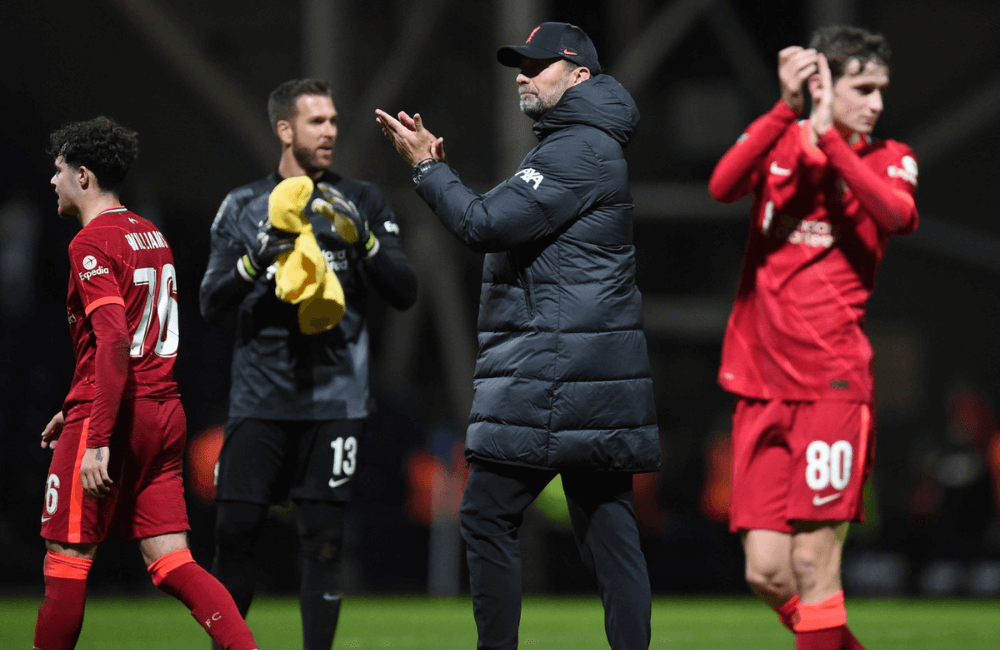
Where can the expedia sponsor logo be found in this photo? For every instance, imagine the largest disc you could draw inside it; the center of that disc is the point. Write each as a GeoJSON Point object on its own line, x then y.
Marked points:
{"type": "Point", "coordinates": [100, 270]}
{"type": "Point", "coordinates": [815, 234]}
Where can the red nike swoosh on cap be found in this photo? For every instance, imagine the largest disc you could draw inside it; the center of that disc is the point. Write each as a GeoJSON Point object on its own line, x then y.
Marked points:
{"type": "Point", "coordinates": [568, 53]}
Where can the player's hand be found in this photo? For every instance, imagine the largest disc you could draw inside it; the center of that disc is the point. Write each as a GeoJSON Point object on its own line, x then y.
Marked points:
{"type": "Point", "coordinates": [821, 89]}
{"type": "Point", "coordinates": [94, 472]}
{"type": "Point", "coordinates": [271, 242]}
{"type": "Point", "coordinates": [795, 65]}
{"type": "Point", "coordinates": [413, 142]}
{"type": "Point", "coordinates": [347, 221]}
{"type": "Point", "coordinates": [52, 431]}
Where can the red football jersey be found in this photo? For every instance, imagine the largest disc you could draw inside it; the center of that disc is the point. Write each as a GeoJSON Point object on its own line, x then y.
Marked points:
{"type": "Point", "coordinates": [796, 331]}
{"type": "Point", "coordinates": [119, 257]}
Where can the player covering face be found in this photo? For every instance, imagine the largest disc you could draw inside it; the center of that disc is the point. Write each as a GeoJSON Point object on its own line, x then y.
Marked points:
{"type": "Point", "coordinates": [827, 198]}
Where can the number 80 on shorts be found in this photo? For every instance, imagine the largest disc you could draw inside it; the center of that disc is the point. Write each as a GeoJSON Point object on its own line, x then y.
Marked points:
{"type": "Point", "coordinates": [828, 465]}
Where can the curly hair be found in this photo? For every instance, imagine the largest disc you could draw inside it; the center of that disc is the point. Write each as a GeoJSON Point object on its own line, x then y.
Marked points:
{"type": "Point", "coordinates": [281, 101]}
{"type": "Point", "coordinates": [841, 43]}
{"type": "Point", "coordinates": [103, 146]}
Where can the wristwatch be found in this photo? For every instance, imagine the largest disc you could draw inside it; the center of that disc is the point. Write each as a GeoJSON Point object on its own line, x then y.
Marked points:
{"type": "Point", "coordinates": [421, 168]}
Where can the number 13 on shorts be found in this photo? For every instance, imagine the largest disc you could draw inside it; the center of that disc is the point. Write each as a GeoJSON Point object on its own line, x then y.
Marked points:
{"type": "Point", "coordinates": [345, 456]}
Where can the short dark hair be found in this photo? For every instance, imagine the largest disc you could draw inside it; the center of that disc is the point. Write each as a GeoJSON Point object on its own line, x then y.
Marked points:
{"type": "Point", "coordinates": [101, 145]}
{"type": "Point", "coordinates": [841, 43]}
{"type": "Point", "coordinates": [281, 101]}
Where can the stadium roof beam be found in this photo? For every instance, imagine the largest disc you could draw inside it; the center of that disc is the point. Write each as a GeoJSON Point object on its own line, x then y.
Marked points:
{"type": "Point", "coordinates": [324, 36]}
{"type": "Point", "coordinates": [757, 74]}
{"type": "Point", "coordinates": [512, 21]}
{"type": "Point", "coordinates": [638, 63]}
{"type": "Point", "coordinates": [236, 110]}
{"type": "Point", "coordinates": [416, 29]}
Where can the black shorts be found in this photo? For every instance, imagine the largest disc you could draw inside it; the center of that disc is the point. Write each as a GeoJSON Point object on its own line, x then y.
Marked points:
{"type": "Point", "coordinates": [271, 461]}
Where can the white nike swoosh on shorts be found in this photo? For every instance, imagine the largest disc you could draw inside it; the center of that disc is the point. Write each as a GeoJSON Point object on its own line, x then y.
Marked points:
{"type": "Point", "coordinates": [822, 501]}
{"type": "Point", "coordinates": [338, 482]}
{"type": "Point", "coordinates": [44, 519]}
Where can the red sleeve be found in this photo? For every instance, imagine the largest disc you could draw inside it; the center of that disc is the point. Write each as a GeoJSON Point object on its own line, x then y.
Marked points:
{"type": "Point", "coordinates": [733, 178]}
{"type": "Point", "coordinates": [111, 369]}
{"type": "Point", "coordinates": [893, 209]}
{"type": "Point", "coordinates": [91, 261]}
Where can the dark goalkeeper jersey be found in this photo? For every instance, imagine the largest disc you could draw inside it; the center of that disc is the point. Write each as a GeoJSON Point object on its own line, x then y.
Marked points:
{"type": "Point", "coordinates": [279, 373]}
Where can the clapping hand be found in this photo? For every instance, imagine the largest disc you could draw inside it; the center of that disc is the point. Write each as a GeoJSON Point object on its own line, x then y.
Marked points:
{"type": "Point", "coordinates": [795, 65]}
{"type": "Point", "coordinates": [821, 89]}
{"type": "Point", "coordinates": [413, 142]}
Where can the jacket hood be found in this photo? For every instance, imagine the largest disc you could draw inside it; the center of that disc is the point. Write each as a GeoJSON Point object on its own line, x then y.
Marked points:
{"type": "Point", "coordinates": [600, 102]}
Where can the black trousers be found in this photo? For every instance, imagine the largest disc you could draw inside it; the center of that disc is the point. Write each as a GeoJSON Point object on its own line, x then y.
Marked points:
{"type": "Point", "coordinates": [600, 507]}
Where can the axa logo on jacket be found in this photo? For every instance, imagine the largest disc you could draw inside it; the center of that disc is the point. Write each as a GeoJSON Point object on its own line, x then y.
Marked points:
{"type": "Point", "coordinates": [531, 177]}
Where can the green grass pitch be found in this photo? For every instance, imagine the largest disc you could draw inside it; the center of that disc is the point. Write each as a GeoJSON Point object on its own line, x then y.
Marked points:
{"type": "Point", "coordinates": [160, 623]}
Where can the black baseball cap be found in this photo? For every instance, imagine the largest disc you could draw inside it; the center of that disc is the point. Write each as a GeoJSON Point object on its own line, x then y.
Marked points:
{"type": "Point", "coordinates": [553, 41]}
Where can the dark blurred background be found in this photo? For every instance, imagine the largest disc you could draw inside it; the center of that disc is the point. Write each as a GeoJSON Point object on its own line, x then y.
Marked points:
{"type": "Point", "coordinates": [192, 76]}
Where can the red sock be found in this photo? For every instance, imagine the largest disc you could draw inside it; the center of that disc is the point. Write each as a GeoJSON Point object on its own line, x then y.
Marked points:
{"type": "Point", "coordinates": [822, 625]}
{"type": "Point", "coordinates": [786, 613]}
{"type": "Point", "coordinates": [60, 617]}
{"type": "Point", "coordinates": [211, 605]}
{"type": "Point", "coordinates": [830, 638]}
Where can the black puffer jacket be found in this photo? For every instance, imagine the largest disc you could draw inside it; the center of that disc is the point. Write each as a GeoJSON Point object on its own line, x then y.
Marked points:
{"type": "Point", "coordinates": [562, 379]}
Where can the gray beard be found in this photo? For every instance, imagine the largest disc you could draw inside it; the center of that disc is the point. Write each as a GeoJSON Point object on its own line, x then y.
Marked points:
{"type": "Point", "coordinates": [533, 107]}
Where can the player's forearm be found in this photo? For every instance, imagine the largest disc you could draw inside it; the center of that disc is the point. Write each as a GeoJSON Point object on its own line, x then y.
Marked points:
{"type": "Point", "coordinates": [111, 362]}
{"type": "Point", "coordinates": [730, 179]}
{"type": "Point", "coordinates": [501, 223]}
{"type": "Point", "coordinates": [223, 288]}
{"type": "Point", "coordinates": [391, 275]}
{"type": "Point", "coordinates": [451, 200]}
{"type": "Point", "coordinates": [892, 209]}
